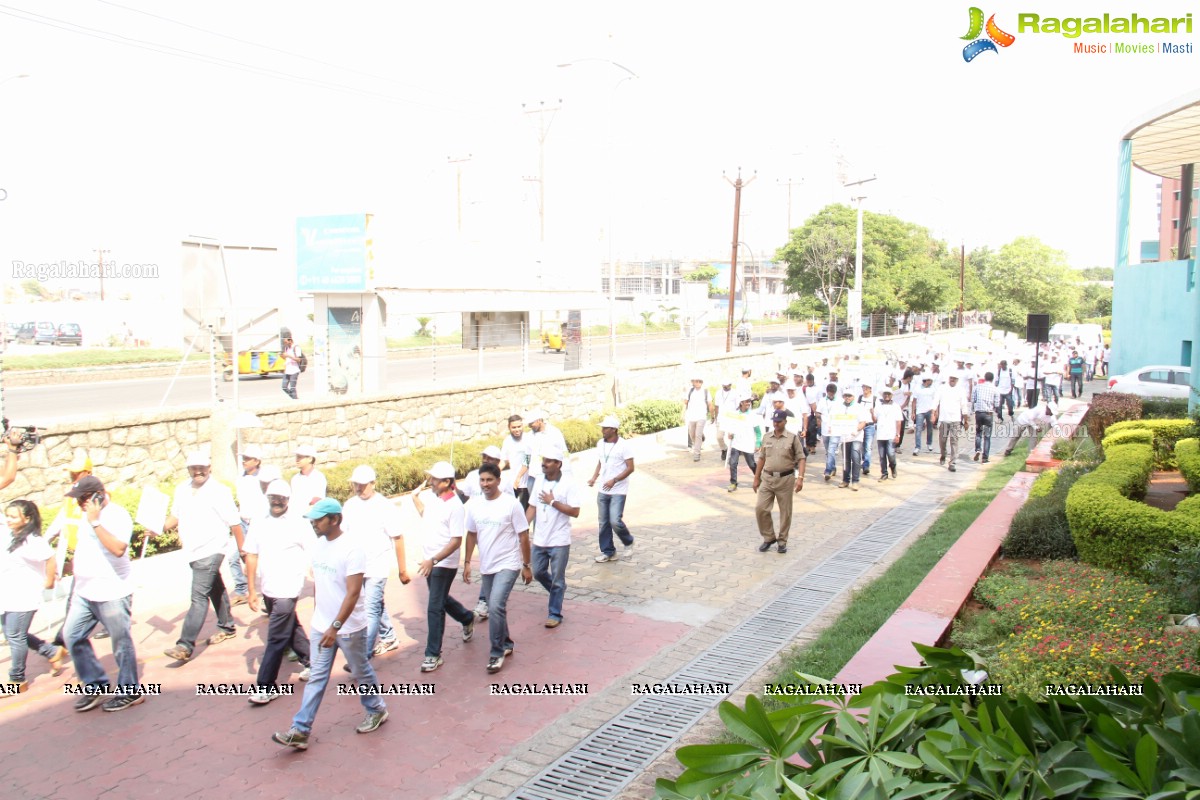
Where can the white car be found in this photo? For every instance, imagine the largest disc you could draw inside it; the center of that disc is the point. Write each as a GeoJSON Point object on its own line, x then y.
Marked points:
{"type": "Point", "coordinates": [1154, 381]}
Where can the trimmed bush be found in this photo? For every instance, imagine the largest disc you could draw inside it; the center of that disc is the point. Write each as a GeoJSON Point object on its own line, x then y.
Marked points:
{"type": "Point", "coordinates": [1044, 484]}
{"type": "Point", "coordinates": [1133, 436]}
{"type": "Point", "coordinates": [581, 434]}
{"type": "Point", "coordinates": [1187, 453]}
{"type": "Point", "coordinates": [1109, 408]}
{"type": "Point", "coordinates": [1165, 433]}
{"type": "Point", "coordinates": [1040, 528]}
{"type": "Point", "coordinates": [651, 416]}
{"type": "Point", "coordinates": [1163, 409]}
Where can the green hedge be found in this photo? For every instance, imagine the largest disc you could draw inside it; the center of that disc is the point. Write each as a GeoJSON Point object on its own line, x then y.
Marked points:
{"type": "Point", "coordinates": [1137, 436]}
{"type": "Point", "coordinates": [128, 498]}
{"type": "Point", "coordinates": [1164, 432]}
{"type": "Point", "coordinates": [1187, 453]}
{"type": "Point", "coordinates": [1109, 524]}
{"type": "Point", "coordinates": [1153, 408]}
{"type": "Point", "coordinates": [1044, 484]}
{"type": "Point", "coordinates": [1040, 528]}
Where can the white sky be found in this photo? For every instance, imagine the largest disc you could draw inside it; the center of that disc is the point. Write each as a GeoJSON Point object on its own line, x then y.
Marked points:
{"type": "Point", "coordinates": [106, 145]}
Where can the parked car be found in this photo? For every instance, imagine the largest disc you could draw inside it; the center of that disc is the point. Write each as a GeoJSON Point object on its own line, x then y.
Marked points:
{"type": "Point", "coordinates": [68, 333]}
{"type": "Point", "coordinates": [36, 333]}
{"type": "Point", "coordinates": [10, 332]}
{"type": "Point", "coordinates": [1156, 380]}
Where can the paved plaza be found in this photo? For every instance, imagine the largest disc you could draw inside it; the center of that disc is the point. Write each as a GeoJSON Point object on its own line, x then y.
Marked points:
{"type": "Point", "coordinates": [695, 576]}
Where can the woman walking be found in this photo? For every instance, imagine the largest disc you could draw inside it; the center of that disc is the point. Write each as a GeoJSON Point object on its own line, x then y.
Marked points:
{"type": "Point", "coordinates": [26, 568]}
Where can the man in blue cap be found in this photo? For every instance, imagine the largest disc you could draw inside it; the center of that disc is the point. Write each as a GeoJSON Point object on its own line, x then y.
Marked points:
{"type": "Point", "coordinates": [339, 622]}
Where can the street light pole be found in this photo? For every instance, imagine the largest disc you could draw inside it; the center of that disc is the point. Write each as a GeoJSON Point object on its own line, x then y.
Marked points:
{"type": "Point", "coordinates": [737, 185]}
{"type": "Point", "coordinates": [854, 302]}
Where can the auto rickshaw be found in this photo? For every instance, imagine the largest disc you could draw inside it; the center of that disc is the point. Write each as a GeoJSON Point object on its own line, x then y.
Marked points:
{"type": "Point", "coordinates": [262, 363]}
{"type": "Point", "coordinates": [552, 338]}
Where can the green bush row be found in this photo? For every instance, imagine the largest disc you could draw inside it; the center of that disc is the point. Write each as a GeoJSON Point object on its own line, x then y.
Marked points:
{"type": "Point", "coordinates": [1040, 528]}
{"type": "Point", "coordinates": [1109, 524]}
{"type": "Point", "coordinates": [1164, 432]}
{"type": "Point", "coordinates": [1187, 453]}
{"type": "Point", "coordinates": [1044, 484]}
{"type": "Point", "coordinates": [1162, 408]}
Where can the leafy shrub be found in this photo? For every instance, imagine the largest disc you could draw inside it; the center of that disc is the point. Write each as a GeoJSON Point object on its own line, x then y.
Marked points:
{"type": "Point", "coordinates": [1177, 574]}
{"type": "Point", "coordinates": [757, 390]}
{"type": "Point", "coordinates": [1040, 528]}
{"type": "Point", "coordinates": [1043, 484]}
{"type": "Point", "coordinates": [1187, 453]}
{"type": "Point", "coordinates": [1078, 447]}
{"type": "Point", "coordinates": [1109, 408]}
{"type": "Point", "coordinates": [581, 435]}
{"type": "Point", "coordinates": [651, 416]}
{"type": "Point", "coordinates": [128, 497]}
{"type": "Point", "coordinates": [1165, 433]}
{"type": "Point", "coordinates": [1155, 408]}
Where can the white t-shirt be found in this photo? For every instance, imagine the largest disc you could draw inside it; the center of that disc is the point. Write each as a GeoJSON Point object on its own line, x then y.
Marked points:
{"type": "Point", "coordinates": [925, 398]}
{"type": "Point", "coordinates": [612, 463]}
{"type": "Point", "coordinates": [812, 396]}
{"type": "Point", "coordinates": [826, 407]}
{"type": "Point", "coordinates": [23, 574]}
{"type": "Point", "coordinates": [471, 488]}
{"type": "Point", "coordinates": [305, 488]}
{"type": "Point", "coordinates": [497, 524]}
{"type": "Point", "coordinates": [331, 563]}
{"type": "Point", "coordinates": [292, 367]}
{"type": "Point", "coordinates": [252, 503]}
{"type": "Point", "coordinates": [552, 528]}
{"type": "Point", "coordinates": [99, 575]}
{"type": "Point", "coordinates": [281, 544]}
{"type": "Point", "coordinates": [888, 419]}
{"type": "Point", "coordinates": [516, 451]}
{"type": "Point", "coordinates": [205, 516]}
{"type": "Point", "coordinates": [697, 404]}
{"type": "Point", "coordinates": [540, 442]}
{"type": "Point", "coordinates": [444, 519]}
{"type": "Point", "coordinates": [376, 524]}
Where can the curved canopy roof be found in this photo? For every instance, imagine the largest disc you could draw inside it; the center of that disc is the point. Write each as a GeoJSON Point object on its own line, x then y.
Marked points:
{"type": "Point", "coordinates": [1168, 136]}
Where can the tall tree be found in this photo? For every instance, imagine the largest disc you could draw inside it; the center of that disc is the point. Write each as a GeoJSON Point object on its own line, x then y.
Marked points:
{"type": "Point", "coordinates": [820, 263]}
{"type": "Point", "coordinates": [1035, 277]}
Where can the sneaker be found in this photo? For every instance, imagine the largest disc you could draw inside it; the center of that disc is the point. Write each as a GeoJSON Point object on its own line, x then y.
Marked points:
{"type": "Point", "coordinates": [552, 622]}
{"type": "Point", "coordinates": [220, 636]}
{"type": "Point", "coordinates": [508, 648]}
{"type": "Point", "coordinates": [304, 674]}
{"type": "Point", "coordinates": [262, 698]}
{"type": "Point", "coordinates": [372, 721]}
{"type": "Point", "coordinates": [178, 652]}
{"type": "Point", "coordinates": [976, 458]}
{"type": "Point", "coordinates": [238, 600]}
{"type": "Point", "coordinates": [952, 468]}
{"type": "Point", "coordinates": [431, 663]}
{"type": "Point", "coordinates": [604, 559]}
{"type": "Point", "coordinates": [695, 458]}
{"type": "Point", "coordinates": [843, 484]}
{"type": "Point", "coordinates": [468, 631]}
{"type": "Point", "coordinates": [124, 701]}
{"type": "Point", "coordinates": [942, 461]}
{"type": "Point", "coordinates": [827, 478]}
{"type": "Point", "coordinates": [854, 487]}
{"type": "Point", "coordinates": [481, 609]}
{"type": "Point", "coordinates": [293, 738]}
{"type": "Point", "coordinates": [732, 487]}
{"type": "Point", "coordinates": [883, 477]}
{"type": "Point", "coordinates": [292, 655]}
{"type": "Point", "coordinates": [916, 453]}
{"type": "Point", "coordinates": [494, 664]}
{"type": "Point", "coordinates": [386, 646]}
{"type": "Point", "coordinates": [89, 701]}
{"type": "Point", "coordinates": [627, 552]}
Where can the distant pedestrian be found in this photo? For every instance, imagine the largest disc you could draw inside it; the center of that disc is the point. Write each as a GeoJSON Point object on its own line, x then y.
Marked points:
{"type": "Point", "coordinates": [889, 430]}
{"type": "Point", "coordinates": [826, 408]}
{"type": "Point", "coordinates": [490, 455]}
{"type": "Point", "coordinates": [1004, 385]}
{"type": "Point", "coordinates": [780, 457]}
{"type": "Point", "coordinates": [950, 415]}
{"type": "Point", "coordinates": [613, 467]}
{"type": "Point", "coordinates": [858, 416]}
{"type": "Point", "coordinates": [291, 370]}
{"type": "Point", "coordinates": [1076, 366]}
{"type": "Point", "coordinates": [697, 407]}
{"type": "Point", "coordinates": [724, 398]}
{"type": "Point", "coordinates": [986, 399]}
{"type": "Point", "coordinates": [923, 401]}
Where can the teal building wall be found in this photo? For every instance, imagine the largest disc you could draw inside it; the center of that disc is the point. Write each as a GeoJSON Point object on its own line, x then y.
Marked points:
{"type": "Point", "coordinates": [1156, 315]}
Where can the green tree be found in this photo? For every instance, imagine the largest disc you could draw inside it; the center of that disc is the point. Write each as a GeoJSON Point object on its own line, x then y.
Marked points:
{"type": "Point", "coordinates": [1035, 277]}
{"type": "Point", "coordinates": [1096, 301]}
{"type": "Point", "coordinates": [424, 331]}
{"type": "Point", "coordinates": [704, 272]}
{"type": "Point", "coordinates": [820, 261]}
{"type": "Point", "coordinates": [1097, 273]}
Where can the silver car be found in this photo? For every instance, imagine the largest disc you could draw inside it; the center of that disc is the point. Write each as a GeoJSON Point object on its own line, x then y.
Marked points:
{"type": "Point", "coordinates": [1171, 382]}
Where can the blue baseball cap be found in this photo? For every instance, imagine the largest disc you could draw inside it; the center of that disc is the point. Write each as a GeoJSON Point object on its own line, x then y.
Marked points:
{"type": "Point", "coordinates": [323, 508]}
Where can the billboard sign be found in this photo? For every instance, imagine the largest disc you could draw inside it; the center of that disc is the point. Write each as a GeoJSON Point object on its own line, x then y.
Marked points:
{"type": "Point", "coordinates": [333, 253]}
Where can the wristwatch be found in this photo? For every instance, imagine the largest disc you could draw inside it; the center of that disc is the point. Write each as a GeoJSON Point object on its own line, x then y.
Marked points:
{"type": "Point", "coordinates": [524, 566]}
{"type": "Point", "coordinates": [435, 561]}
{"type": "Point", "coordinates": [336, 625]}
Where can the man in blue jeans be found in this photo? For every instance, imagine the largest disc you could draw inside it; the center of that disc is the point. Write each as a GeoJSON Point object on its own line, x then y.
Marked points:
{"type": "Point", "coordinates": [826, 407]}
{"type": "Point", "coordinates": [339, 622]}
{"type": "Point", "coordinates": [613, 468]}
{"type": "Point", "coordinates": [496, 522]}
{"type": "Point", "coordinates": [922, 411]}
{"type": "Point", "coordinates": [443, 520]}
{"type": "Point", "coordinates": [555, 501]}
{"type": "Point", "coordinates": [104, 595]}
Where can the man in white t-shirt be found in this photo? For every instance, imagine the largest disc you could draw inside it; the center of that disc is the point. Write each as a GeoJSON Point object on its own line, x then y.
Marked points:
{"type": "Point", "coordinates": [291, 370]}
{"type": "Point", "coordinates": [724, 398]}
{"type": "Point", "coordinates": [514, 453]}
{"type": "Point", "coordinates": [858, 416]}
{"type": "Point", "coordinates": [103, 594]}
{"type": "Point", "coordinates": [1031, 421]}
{"type": "Point", "coordinates": [443, 525]}
{"type": "Point", "coordinates": [889, 425]}
{"type": "Point", "coordinates": [339, 622]}
{"type": "Point", "coordinates": [542, 435]}
{"type": "Point", "coordinates": [252, 505]}
{"type": "Point", "coordinates": [826, 408]}
{"type": "Point", "coordinates": [309, 484]}
{"type": "Point", "coordinates": [555, 501]}
{"type": "Point", "coordinates": [490, 455]}
{"type": "Point", "coordinates": [497, 524]}
{"type": "Point", "coordinates": [277, 563]}
{"type": "Point", "coordinates": [613, 468]}
{"type": "Point", "coordinates": [923, 401]}
{"type": "Point", "coordinates": [696, 410]}
{"type": "Point", "coordinates": [950, 415]}
{"type": "Point", "coordinates": [204, 512]}
{"type": "Point", "coordinates": [375, 522]}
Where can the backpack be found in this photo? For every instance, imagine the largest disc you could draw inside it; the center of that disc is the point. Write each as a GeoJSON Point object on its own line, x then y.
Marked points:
{"type": "Point", "coordinates": [303, 361]}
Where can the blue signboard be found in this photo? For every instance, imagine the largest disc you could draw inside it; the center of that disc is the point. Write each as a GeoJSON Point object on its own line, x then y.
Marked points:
{"type": "Point", "coordinates": [333, 253]}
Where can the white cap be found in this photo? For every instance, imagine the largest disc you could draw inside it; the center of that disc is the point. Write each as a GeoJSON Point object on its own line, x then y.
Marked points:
{"type": "Point", "coordinates": [252, 451]}
{"type": "Point", "coordinates": [441, 470]}
{"type": "Point", "coordinates": [268, 473]}
{"type": "Point", "coordinates": [554, 453]}
{"type": "Point", "coordinates": [306, 450]}
{"type": "Point", "coordinates": [697, 377]}
{"type": "Point", "coordinates": [363, 474]}
{"type": "Point", "coordinates": [280, 487]}
{"type": "Point", "coordinates": [198, 459]}
{"type": "Point", "coordinates": [727, 381]}
{"type": "Point", "coordinates": [610, 422]}
{"type": "Point", "coordinates": [745, 399]}
{"type": "Point", "coordinates": [534, 414]}
{"type": "Point", "coordinates": [491, 451]}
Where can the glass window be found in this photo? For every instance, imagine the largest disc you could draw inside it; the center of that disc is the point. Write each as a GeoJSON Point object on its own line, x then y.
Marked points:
{"type": "Point", "coordinates": [1155, 376]}
{"type": "Point", "coordinates": [1181, 377]}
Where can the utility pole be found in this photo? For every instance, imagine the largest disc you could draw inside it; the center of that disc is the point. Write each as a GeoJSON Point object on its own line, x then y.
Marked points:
{"type": "Point", "coordinates": [737, 185]}
{"type": "Point", "coordinates": [962, 281]}
{"type": "Point", "coordinates": [543, 131]}
{"type": "Point", "coordinates": [854, 302]}
{"type": "Point", "coordinates": [790, 183]}
{"type": "Point", "coordinates": [458, 184]}
{"type": "Point", "coordinates": [100, 252]}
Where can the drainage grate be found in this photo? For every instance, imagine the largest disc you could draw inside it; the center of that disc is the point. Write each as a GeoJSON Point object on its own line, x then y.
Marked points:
{"type": "Point", "coordinates": [614, 754]}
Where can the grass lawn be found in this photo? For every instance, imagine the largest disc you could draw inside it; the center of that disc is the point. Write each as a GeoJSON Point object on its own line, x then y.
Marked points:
{"type": "Point", "coordinates": [83, 357]}
{"type": "Point", "coordinates": [872, 607]}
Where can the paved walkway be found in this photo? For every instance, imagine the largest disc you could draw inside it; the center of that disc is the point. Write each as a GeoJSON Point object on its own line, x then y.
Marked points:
{"type": "Point", "coordinates": [695, 576]}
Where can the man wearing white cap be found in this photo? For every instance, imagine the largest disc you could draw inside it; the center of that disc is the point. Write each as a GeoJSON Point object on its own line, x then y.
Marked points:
{"type": "Point", "coordinates": [375, 522]}
{"type": "Point", "coordinates": [252, 504]}
{"type": "Point", "coordinates": [542, 435]}
{"type": "Point", "coordinates": [555, 501]}
{"type": "Point", "coordinates": [277, 563]}
{"type": "Point", "coordinates": [613, 469]}
{"type": "Point", "coordinates": [309, 484]}
{"type": "Point", "coordinates": [696, 410]}
{"type": "Point", "coordinates": [725, 397]}
{"type": "Point", "coordinates": [491, 455]}
{"type": "Point", "coordinates": [443, 528]}
{"type": "Point", "coordinates": [745, 427]}
{"type": "Point", "coordinates": [204, 512]}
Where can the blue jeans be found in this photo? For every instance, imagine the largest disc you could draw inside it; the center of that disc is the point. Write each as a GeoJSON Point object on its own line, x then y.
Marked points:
{"type": "Point", "coordinates": [983, 433]}
{"type": "Point", "coordinates": [114, 615]}
{"type": "Point", "coordinates": [21, 641]}
{"type": "Point", "coordinates": [851, 461]}
{"type": "Point", "coordinates": [439, 581]}
{"type": "Point", "coordinates": [240, 586]}
{"type": "Point", "coordinates": [378, 624]}
{"type": "Point", "coordinates": [354, 648]}
{"type": "Point", "coordinates": [283, 631]}
{"type": "Point", "coordinates": [207, 587]}
{"type": "Point", "coordinates": [497, 587]}
{"type": "Point", "coordinates": [924, 423]}
{"type": "Point", "coordinates": [868, 440]}
{"type": "Point", "coordinates": [288, 384]}
{"type": "Point", "coordinates": [550, 570]}
{"type": "Point", "coordinates": [610, 508]}
{"type": "Point", "coordinates": [887, 456]}
{"type": "Point", "coordinates": [1006, 399]}
{"type": "Point", "coordinates": [734, 457]}
{"type": "Point", "coordinates": [831, 445]}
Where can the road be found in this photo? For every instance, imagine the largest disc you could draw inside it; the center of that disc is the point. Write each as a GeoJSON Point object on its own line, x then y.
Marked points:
{"type": "Point", "coordinates": [449, 366]}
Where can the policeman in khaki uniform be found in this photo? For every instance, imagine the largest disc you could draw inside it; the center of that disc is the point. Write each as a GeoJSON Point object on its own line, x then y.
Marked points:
{"type": "Point", "coordinates": [780, 456]}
